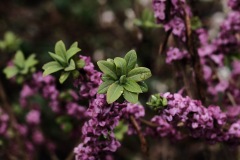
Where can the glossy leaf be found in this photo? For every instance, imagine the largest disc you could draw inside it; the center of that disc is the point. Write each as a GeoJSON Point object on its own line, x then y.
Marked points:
{"type": "Point", "coordinates": [64, 76]}
{"type": "Point", "coordinates": [131, 59]}
{"type": "Point", "coordinates": [52, 63]}
{"type": "Point", "coordinates": [75, 44]}
{"type": "Point", "coordinates": [139, 74]}
{"type": "Point", "coordinates": [143, 86]}
{"type": "Point", "coordinates": [108, 68]}
{"type": "Point", "coordinates": [104, 86]}
{"type": "Point", "coordinates": [71, 66]}
{"type": "Point", "coordinates": [52, 69]}
{"type": "Point", "coordinates": [121, 66]}
{"type": "Point", "coordinates": [132, 86]}
{"type": "Point", "coordinates": [114, 92]}
{"type": "Point", "coordinates": [130, 96]}
{"type": "Point", "coordinates": [71, 52]}
{"type": "Point", "coordinates": [60, 49]}
{"type": "Point", "coordinates": [106, 77]}
{"type": "Point", "coordinates": [58, 58]}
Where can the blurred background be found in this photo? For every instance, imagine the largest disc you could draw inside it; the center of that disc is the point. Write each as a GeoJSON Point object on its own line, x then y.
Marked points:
{"type": "Point", "coordinates": [107, 28]}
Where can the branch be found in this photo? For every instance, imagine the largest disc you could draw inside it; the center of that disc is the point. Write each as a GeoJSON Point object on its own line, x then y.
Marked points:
{"type": "Point", "coordinates": [230, 97]}
{"type": "Point", "coordinates": [143, 141]}
{"type": "Point", "coordinates": [163, 45]}
{"type": "Point", "coordinates": [192, 49]}
{"type": "Point", "coordinates": [148, 123]}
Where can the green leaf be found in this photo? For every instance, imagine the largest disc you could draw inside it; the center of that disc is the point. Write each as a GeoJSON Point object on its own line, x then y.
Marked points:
{"type": "Point", "coordinates": [71, 52]}
{"type": "Point", "coordinates": [80, 63]}
{"type": "Point", "coordinates": [106, 77]}
{"type": "Point", "coordinates": [52, 63]}
{"type": "Point", "coordinates": [196, 23]}
{"type": "Point", "coordinates": [19, 59]}
{"type": "Point", "coordinates": [75, 74]}
{"type": "Point", "coordinates": [24, 70]}
{"type": "Point", "coordinates": [114, 92]}
{"type": "Point", "coordinates": [130, 96]}
{"type": "Point", "coordinates": [131, 59]}
{"type": "Point", "coordinates": [123, 79]}
{"type": "Point", "coordinates": [60, 49]}
{"type": "Point", "coordinates": [64, 76]}
{"type": "Point", "coordinates": [71, 66]}
{"type": "Point", "coordinates": [132, 86]}
{"type": "Point", "coordinates": [121, 66]}
{"type": "Point", "coordinates": [139, 74]}
{"type": "Point", "coordinates": [143, 86]}
{"type": "Point", "coordinates": [120, 130]}
{"type": "Point", "coordinates": [51, 69]}
{"type": "Point", "coordinates": [108, 68]}
{"type": "Point", "coordinates": [31, 61]}
{"type": "Point", "coordinates": [58, 58]}
{"type": "Point", "coordinates": [10, 71]}
{"type": "Point", "coordinates": [75, 44]}
{"type": "Point", "coordinates": [102, 89]}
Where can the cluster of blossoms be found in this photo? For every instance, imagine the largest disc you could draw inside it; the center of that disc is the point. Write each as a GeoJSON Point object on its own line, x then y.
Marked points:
{"type": "Point", "coordinates": [194, 119]}
{"type": "Point", "coordinates": [44, 86]}
{"type": "Point", "coordinates": [89, 81]}
{"type": "Point", "coordinates": [234, 4]}
{"type": "Point", "coordinates": [215, 53]}
{"type": "Point", "coordinates": [173, 20]}
{"type": "Point", "coordinates": [98, 139]}
{"type": "Point", "coordinates": [171, 14]}
{"type": "Point", "coordinates": [32, 135]}
{"type": "Point", "coordinates": [174, 54]}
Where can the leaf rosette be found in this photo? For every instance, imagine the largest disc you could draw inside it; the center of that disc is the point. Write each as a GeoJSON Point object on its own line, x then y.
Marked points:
{"type": "Point", "coordinates": [21, 66]}
{"type": "Point", "coordinates": [156, 102]}
{"type": "Point", "coordinates": [122, 77]}
{"type": "Point", "coordinates": [63, 61]}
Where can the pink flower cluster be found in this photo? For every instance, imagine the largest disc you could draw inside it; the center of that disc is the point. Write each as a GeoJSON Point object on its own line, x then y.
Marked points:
{"type": "Point", "coordinates": [171, 14]}
{"type": "Point", "coordinates": [194, 120]}
{"type": "Point", "coordinates": [89, 80]}
{"type": "Point", "coordinates": [98, 139]}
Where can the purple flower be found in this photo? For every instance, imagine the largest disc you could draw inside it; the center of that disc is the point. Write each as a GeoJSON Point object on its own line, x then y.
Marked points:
{"type": "Point", "coordinates": [234, 4]}
{"type": "Point", "coordinates": [33, 117]}
{"type": "Point", "coordinates": [174, 54]}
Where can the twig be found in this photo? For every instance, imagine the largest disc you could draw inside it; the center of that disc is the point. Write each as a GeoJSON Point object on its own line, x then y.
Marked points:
{"type": "Point", "coordinates": [186, 80]}
{"type": "Point", "coordinates": [163, 45]}
{"type": "Point", "coordinates": [70, 156]}
{"type": "Point", "coordinates": [143, 141]}
{"type": "Point", "coordinates": [230, 97]}
{"type": "Point", "coordinates": [192, 49]}
{"type": "Point", "coordinates": [148, 123]}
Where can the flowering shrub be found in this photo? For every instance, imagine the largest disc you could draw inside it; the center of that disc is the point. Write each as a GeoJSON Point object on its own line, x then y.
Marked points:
{"type": "Point", "coordinates": [89, 115]}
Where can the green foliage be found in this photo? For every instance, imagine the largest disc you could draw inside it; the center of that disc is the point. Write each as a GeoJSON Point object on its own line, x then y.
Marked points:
{"type": "Point", "coordinates": [120, 130]}
{"type": "Point", "coordinates": [63, 61]}
{"type": "Point", "coordinates": [123, 77]}
{"type": "Point", "coordinates": [21, 66]}
{"type": "Point", "coordinates": [195, 23]}
{"type": "Point", "coordinates": [10, 42]}
{"type": "Point", "coordinates": [65, 123]}
{"type": "Point", "coordinates": [157, 102]}
{"type": "Point", "coordinates": [147, 20]}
